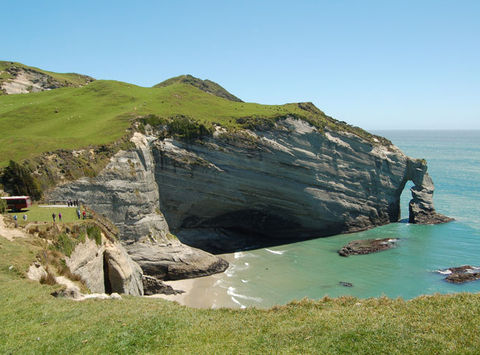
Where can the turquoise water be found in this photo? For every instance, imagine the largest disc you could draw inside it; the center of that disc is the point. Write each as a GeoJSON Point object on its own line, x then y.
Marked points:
{"type": "Point", "coordinates": [313, 269]}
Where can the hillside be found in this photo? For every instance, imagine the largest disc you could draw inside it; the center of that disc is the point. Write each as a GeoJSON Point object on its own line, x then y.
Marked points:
{"type": "Point", "coordinates": [35, 322]}
{"type": "Point", "coordinates": [100, 113]}
{"type": "Point", "coordinates": [205, 85]}
{"type": "Point", "coordinates": [17, 78]}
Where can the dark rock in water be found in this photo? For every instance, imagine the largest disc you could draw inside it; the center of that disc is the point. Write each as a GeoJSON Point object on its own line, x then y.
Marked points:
{"type": "Point", "coordinates": [367, 246]}
{"type": "Point", "coordinates": [418, 216]}
{"type": "Point", "coordinates": [461, 274]}
{"type": "Point", "coordinates": [153, 286]}
{"type": "Point", "coordinates": [346, 284]}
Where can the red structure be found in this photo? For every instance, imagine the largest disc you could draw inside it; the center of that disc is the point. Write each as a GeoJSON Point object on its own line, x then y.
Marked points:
{"type": "Point", "coordinates": [16, 203]}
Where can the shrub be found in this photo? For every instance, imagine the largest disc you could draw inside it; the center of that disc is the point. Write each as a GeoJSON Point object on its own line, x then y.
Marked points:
{"type": "Point", "coordinates": [18, 180]}
{"type": "Point", "coordinates": [49, 279]}
{"type": "Point", "coordinates": [3, 206]}
{"type": "Point", "coordinates": [65, 244]}
{"type": "Point", "coordinates": [180, 126]}
{"type": "Point", "coordinates": [95, 234]}
{"type": "Point", "coordinates": [184, 127]}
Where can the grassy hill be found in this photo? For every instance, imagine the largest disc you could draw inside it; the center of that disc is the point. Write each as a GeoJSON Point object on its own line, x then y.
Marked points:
{"type": "Point", "coordinates": [35, 322]}
{"type": "Point", "coordinates": [205, 85]}
{"type": "Point", "coordinates": [8, 71]}
{"type": "Point", "coordinates": [100, 113]}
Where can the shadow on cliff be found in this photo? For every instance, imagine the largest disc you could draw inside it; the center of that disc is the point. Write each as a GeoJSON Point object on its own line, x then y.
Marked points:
{"type": "Point", "coordinates": [221, 240]}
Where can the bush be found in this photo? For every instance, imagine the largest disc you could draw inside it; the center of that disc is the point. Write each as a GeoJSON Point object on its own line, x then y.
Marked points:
{"type": "Point", "coordinates": [186, 128]}
{"type": "Point", "coordinates": [94, 233]}
{"type": "Point", "coordinates": [18, 180]}
{"type": "Point", "coordinates": [180, 126]}
{"type": "Point", "coordinates": [65, 244]}
{"type": "Point", "coordinates": [3, 206]}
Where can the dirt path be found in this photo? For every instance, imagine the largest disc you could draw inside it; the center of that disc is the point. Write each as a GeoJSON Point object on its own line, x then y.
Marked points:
{"type": "Point", "coordinates": [10, 233]}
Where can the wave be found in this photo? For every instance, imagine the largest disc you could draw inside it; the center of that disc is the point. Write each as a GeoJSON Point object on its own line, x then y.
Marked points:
{"type": "Point", "coordinates": [231, 292]}
{"type": "Point", "coordinates": [238, 302]}
{"type": "Point", "coordinates": [278, 252]}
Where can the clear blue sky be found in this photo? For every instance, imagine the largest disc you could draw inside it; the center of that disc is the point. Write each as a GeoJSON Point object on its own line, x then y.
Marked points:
{"type": "Point", "coordinates": [375, 64]}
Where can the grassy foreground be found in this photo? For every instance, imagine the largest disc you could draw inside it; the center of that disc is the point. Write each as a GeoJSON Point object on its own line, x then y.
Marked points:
{"type": "Point", "coordinates": [35, 322]}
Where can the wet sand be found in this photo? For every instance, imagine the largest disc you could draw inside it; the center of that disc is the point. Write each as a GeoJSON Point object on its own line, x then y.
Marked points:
{"type": "Point", "coordinates": [202, 292]}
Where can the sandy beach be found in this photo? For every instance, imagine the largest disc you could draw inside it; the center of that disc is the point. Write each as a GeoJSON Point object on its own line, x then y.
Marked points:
{"type": "Point", "coordinates": [202, 292]}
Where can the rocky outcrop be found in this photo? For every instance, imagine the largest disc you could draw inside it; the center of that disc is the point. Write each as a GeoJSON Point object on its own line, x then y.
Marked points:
{"type": "Point", "coordinates": [367, 246]}
{"type": "Point", "coordinates": [127, 194]}
{"type": "Point", "coordinates": [154, 286]}
{"type": "Point", "coordinates": [124, 275]}
{"type": "Point", "coordinates": [290, 182]}
{"type": "Point", "coordinates": [23, 80]}
{"type": "Point", "coordinates": [106, 268]}
{"type": "Point", "coordinates": [421, 206]}
{"type": "Point", "coordinates": [175, 262]}
{"type": "Point", "coordinates": [461, 274]}
{"type": "Point", "coordinates": [36, 272]}
{"type": "Point", "coordinates": [207, 86]}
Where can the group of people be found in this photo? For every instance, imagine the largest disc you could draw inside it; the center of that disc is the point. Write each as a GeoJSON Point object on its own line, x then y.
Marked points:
{"type": "Point", "coordinates": [54, 216]}
{"type": "Point", "coordinates": [15, 219]}
{"type": "Point", "coordinates": [72, 203]}
{"type": "Point", "coordinates": [80, 215]}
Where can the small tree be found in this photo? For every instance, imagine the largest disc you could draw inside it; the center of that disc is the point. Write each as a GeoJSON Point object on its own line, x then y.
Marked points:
{"type": "Point", "coordinates": [18, 180]}
{"type": "Point", "coordinates": [3, 206]}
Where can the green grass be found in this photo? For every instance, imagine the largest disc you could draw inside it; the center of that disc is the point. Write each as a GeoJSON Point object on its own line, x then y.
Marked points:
{"type": "Point", "coordinates": [35, 322]}
{"type": "Point", "coordinates": [100, 113]}
{"type": "Point", "coordinates": [44, 214]}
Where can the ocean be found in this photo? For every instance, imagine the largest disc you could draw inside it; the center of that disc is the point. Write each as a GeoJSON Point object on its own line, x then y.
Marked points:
{"type": "Point", "coordinates": [313, 269]}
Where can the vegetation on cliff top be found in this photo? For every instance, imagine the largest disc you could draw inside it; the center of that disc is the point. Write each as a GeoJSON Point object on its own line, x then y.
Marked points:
{"type": "Point", "coordinates": [35, 322]}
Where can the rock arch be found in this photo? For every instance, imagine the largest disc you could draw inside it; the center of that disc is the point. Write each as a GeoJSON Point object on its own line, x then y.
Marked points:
{"type": "Point", "coordinates": [421, 210]}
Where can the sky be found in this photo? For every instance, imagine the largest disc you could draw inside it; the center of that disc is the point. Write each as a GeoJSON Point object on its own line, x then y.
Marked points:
{"type": "Point", "coordinates": [375, 64]}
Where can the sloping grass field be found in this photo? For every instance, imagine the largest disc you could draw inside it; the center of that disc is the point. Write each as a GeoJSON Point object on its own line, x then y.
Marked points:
{"type": "Point", "coordinates": [100, 112]}
{"type": "Point", "coordinates": [35, 322]}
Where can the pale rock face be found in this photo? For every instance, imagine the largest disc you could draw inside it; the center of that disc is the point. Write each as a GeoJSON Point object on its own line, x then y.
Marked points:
{"type": "Point", "coordinates": [126, 193]}
{"type": "Point", "coordinates": [26, 80]}
{"type": "Point", "coordinates": [106, 268]}
{"type": "Point", "coordinates": [86, 261]}
{"type": "Point", "coordinates": [36, 271]}
{"type": "Point", "coordinates": [124, 274]}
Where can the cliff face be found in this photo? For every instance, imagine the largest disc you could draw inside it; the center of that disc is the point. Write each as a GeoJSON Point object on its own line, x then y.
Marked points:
{"type": "Point", "coordinates": [245, 188]}
{"type": "Point", "coordinates": [290, 183]}
{"type": "Point", "coordinates": [127, 194]}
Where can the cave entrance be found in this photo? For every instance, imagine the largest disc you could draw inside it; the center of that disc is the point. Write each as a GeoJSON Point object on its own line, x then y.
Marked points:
{"type": "Point", "coordinates": [106, 276]}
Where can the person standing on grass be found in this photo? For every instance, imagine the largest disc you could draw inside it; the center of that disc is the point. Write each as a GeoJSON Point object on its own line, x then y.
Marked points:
{"type": "Point", "coordinates": [54, 216]}
{"type": "Point", "coordinates": [25, 217]}
{"type": "Point", "coordinates": [59, 216]}
{"type": "Point", "coordinates": [16, 221]}
{"type": "Point", "coordinates": [84, 215]}
{"type": "Point", "coordinates": [78, 213]}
